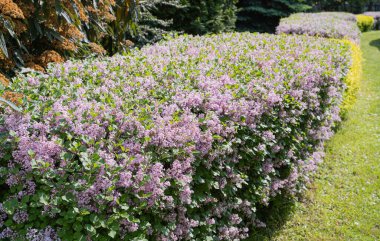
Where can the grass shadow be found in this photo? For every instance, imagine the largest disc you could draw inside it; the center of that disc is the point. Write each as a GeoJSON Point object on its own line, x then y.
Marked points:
{"type": "Point", "coordinates": [275, 216]}
{"type": "Point", "coordinates": [375, 43]}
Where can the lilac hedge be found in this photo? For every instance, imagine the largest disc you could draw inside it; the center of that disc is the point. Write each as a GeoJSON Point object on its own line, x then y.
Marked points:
{"type": "Point", "coordinates": [182, 140]}
{"type": "Point", "coordinates": [325, 24]}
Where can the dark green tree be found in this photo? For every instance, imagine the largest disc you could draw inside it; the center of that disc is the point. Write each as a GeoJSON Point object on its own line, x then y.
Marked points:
{"type": "Point", "coordinates": [353, 6]}
{"type": "Point", "coordinates": [264, 15]}
{"type": "Point", "coordinates": [205, 16]}
{"type": "Point", "coordinates": [158, 17]}
{"type": "Point", "coordinates": [155, 19]}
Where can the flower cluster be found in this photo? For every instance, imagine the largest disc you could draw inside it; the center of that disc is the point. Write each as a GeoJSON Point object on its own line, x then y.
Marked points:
{"type": "Point", "coordinates": [185, 139]}
{"type": "Point", "coordinates": [325, 24]}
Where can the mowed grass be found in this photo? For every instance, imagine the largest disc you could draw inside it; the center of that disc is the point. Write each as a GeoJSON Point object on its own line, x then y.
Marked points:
{"type": "Point", "coordinates": [343, 203]}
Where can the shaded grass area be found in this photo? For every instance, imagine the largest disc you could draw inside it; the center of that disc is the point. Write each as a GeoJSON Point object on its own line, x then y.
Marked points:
{"type": "Point", "coordinates": [343, 203]}
{"type": "Point", "coordinates": [375, 43]}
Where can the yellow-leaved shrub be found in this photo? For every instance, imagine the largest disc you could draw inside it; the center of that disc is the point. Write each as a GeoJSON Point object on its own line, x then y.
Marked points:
{"type": "Point", "coordinates": [365, 23]}
{"type": "Point", "coordinates": [353, 78]}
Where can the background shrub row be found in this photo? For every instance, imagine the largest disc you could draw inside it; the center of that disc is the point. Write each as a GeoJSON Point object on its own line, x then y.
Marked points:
{"type": "Point", "coordinates": [376, 16]}
{"type": "Point", "coordinates": [185, 139]}
{"type": "Point", "coordinates": [326, 24]}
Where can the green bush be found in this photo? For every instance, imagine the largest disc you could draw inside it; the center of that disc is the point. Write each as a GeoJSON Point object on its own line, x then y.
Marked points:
{"type": "Point", "coordinates": [158, 18]}
{"type": "Point", "coordinates": [365, 23]}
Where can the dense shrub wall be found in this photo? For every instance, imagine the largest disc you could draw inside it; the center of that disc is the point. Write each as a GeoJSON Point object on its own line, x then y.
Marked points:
{"type": "Point", "coordinates": [325, 24]}
{"type": "Point", "coordinates": [184, 139]}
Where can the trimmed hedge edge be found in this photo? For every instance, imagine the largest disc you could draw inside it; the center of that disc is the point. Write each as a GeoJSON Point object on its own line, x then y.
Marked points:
{"type": "Point", "coordinates": [353, 78]}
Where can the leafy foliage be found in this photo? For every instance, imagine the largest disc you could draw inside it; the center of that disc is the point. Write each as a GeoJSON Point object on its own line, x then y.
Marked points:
{"type": "Point", "coordinates": [34, 33]}
{"type": "Point", "coordinates": [211, 16]}
{"type": "Point", "coordinates": [185, 139]}
{"type": "Point", "coordinates": [156, 20]}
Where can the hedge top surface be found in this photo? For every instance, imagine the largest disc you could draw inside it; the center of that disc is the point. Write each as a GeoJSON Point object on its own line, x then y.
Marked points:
{"type": "Point", "coordinates": [376, 15]}
{"type": "Point", "coordinates": [339, 15]}
{"type": "Point", "coordinates": [325, 24]}
{"type": "Point", "coordinates": [185, 139]}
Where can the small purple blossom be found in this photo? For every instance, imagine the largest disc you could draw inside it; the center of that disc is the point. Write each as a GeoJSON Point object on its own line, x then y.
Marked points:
{"type": "Point", "coordinates": [20, 216]}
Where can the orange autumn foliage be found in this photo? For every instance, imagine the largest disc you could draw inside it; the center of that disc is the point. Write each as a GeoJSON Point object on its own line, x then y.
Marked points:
{"type": "Point", "coordinates": [34, 33]}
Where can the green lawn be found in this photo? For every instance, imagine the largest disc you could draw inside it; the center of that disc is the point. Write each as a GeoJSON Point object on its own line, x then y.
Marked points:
{"type": "Point", "coordinates": [343, 203]}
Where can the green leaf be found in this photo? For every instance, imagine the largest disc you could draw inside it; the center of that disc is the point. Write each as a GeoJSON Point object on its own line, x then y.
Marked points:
{"type": "Point", "coordinates": [84, 212]}
{"type": "Point", "coordinates": [64, 198]}
{"type": "Point", "coordinates": [13, 106]}
{"type": "Point", "coordinates": [3, 45]}
{"type": "Point", "coordinates": [90, 228]}
{"type": "Point", "coordinates": [31, 153]}
{"type": "Point", "coordinates": [8, 223]}
{"type": "Point", "coordinates": [112, 233]}
{"type": "Point", "coordinates": [78, 226]}
{"type": "Point", "coordinates": [77, 236]}
{"type": "Point", "coordinates": [44, 199]}
{"type": "Point", "coordinates": [94, 218]}
{"type": "Point", "coordinates": [10, 206]}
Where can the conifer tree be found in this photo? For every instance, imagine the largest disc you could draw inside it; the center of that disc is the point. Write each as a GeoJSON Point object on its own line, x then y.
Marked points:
{"type": "Point", "coordinates": [204, 16]}
{"type": "Point", "coordinates": [264, 15]}
{"type": "Point", "coordinates": [156, 19]}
